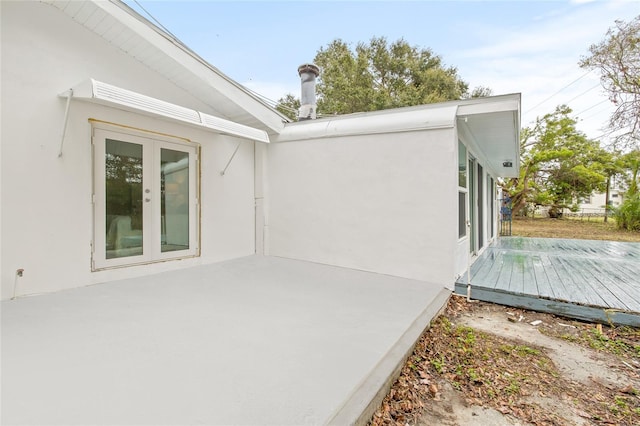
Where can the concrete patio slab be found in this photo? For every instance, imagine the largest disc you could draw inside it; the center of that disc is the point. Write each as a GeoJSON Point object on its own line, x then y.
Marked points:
{"type": "Point", "coordinates": [256, 340]}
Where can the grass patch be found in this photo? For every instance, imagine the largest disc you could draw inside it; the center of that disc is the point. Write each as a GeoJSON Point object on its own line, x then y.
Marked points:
{"type": "Point", "coordinates": [621, 341]}
{"type": "Point", "coordinates": [593, 229]}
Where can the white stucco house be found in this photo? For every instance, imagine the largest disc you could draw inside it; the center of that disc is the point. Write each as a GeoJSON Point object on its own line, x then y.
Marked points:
{"type": "Point", "coordinates": [253, 270]}
{"type": "Point", "coordinates": [126, 154]}
{"type": "Point", "coordinates": [595, 203]}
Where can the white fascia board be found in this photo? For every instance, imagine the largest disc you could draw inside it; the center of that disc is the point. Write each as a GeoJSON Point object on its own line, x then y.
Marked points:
{"type": "Point", "coordinates": [107, 94]}
{"type": "Point", "coordinates": [204, 71]}
{"type": "Point", "coordinates": [503, 103]}
{"type": "Point", "coordinates": [388, 121]}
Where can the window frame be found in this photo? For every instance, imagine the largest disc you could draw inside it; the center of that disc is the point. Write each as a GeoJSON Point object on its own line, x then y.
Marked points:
{"type": "Point", "coordinates": [463, 191]}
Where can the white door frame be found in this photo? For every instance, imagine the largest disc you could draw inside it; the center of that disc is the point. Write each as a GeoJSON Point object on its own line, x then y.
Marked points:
{"type": "Point", "coordinates": [152, 220]}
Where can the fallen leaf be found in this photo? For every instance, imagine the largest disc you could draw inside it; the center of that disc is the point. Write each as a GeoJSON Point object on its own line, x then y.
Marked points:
{"type": "Point", "coordinates": [628, 389]}
{"type": "Point", "coordinates": [433, 389]}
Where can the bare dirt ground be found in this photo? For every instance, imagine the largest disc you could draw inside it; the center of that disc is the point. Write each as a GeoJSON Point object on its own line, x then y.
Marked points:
{"type": "Point", "coordinates": [483, 364]}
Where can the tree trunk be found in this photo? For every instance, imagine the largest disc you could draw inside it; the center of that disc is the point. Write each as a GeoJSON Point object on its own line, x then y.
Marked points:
{"type": "Point", "coordinates": [606, 200]}
{"type": "Point", "coordinates": [520, 201]}
{"type": "Point", "coordinates": [555, 212]}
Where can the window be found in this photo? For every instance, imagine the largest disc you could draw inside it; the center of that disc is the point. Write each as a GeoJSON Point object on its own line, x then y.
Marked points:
{"type": "Point", "coordinates": [145, 203]}
{"type": "Point", "coordinates": [462, 190]}
{"type": "Point", "coordinates": [491, 194]}
{"type": "Point", "coordinates": [462, 214]}
{"type": "Point", "coordinates": [462, 165]}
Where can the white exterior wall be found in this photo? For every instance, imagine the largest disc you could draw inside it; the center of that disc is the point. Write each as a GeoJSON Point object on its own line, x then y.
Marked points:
{"type": "Point", "coordinates": [598, 200]}
{"type": "Point", "coordinates": [47, 218]}
{"type": "Point", "coordinates": [380, 203]}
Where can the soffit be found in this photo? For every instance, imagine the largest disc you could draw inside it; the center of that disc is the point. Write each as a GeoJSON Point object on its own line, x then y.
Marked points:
{"type": "Point", "coordinates": [493, 128]}
{"type": "Point", "coordinates": [124, 28]}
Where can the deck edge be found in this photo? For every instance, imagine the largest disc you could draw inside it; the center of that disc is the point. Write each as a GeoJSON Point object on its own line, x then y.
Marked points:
{"type": "Point", "coordinates": [556, 307]}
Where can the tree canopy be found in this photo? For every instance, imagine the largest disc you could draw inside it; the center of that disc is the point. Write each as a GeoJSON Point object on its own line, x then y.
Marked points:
{"type": "Point", "coordinates": [559, 164]}
{"type": "Point", "coordinates": [617, 58]}
{"type": "Point", "coordinates": [381, 75]}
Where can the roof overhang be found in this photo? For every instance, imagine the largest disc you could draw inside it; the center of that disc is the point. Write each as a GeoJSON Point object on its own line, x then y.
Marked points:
{"type": "Point", "coordinates": [491, 127]}
{"type": "Point", "coordinates": [117, 97]}
{"type": "Point", "coordinates": [424, 117]}
{"type": "Point", "coordinates": [122, 27]}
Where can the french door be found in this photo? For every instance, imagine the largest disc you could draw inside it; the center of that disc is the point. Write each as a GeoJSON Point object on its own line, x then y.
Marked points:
{"type": "Point", "coordinates": [145, 199]}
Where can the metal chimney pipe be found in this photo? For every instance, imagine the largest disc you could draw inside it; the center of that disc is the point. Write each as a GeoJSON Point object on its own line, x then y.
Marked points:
{"type": "Point", "coordinates": [308, 74]}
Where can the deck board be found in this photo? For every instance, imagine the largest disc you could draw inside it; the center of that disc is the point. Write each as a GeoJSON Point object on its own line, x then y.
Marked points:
{"type": "Point", "coordinates": [627, 295]}
{"type": "Point", "coordinates": [493, 273]}
{"type": "Point", "coordinates": [480, 270]}
{"type": "Point", "coordinates": [582, 288]}
{"type": "Point", "coordinates": [584, 279]}
{"type": "Point", "coordinates": [529, 283]}
{"type": "Point", "coordinates": [543, 284]}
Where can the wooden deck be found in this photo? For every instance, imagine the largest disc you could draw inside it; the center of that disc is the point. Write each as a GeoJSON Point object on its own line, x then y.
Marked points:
{"type": "Point", "coordinates": [583, 279]}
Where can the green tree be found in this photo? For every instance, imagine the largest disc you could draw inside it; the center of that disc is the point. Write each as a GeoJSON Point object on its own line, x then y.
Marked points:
{"type": "Point", "coordinates": [381, 75]}
{"type": "Point", "coordinates": [628, 213]}
{"type": "Point", "coordinates": [480, 92]}
{"type": "Point", "coordinates": [631, 162]}
{"type": "Point", "coordinates": [613, 166]}
{"type": "Point", "coordinates": [289, 106]}
{"type": "Point", "coordinates": [617, 58]}
{"type": "Point", "coordinates": [559, 165]}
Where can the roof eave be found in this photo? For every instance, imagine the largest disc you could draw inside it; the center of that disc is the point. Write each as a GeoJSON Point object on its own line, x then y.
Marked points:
{"type": "Point", "coordinates": [199, 78]}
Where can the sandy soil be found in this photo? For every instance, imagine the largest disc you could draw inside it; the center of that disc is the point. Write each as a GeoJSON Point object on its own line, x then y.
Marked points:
{"type": "Point", "coordinates": [575, 362]}
{"type": "Point", "coordinates": [580, 385]}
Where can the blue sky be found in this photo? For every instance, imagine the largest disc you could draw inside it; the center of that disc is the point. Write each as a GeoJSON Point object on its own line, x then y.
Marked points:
{"type": "Point", "coordinates": [530, 47]}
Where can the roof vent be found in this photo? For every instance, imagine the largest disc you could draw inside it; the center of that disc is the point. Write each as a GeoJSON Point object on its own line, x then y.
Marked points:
{"type": "Point", "coordinates": [308, 74]}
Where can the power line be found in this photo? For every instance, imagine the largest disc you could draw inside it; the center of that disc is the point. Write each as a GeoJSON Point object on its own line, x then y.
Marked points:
{"type": "Point", "coordinates": [155, 20]}
{"type": "Point", "coordinates": [592, 106]}
{"type": "Point", "coordinates": [563, 88]}
{"type": "Point", "coordinates": [593, 115]}
{"type": "Point", "coordinates": [269, 102]}
{"type": "Point", "coordinates": [586, 91]}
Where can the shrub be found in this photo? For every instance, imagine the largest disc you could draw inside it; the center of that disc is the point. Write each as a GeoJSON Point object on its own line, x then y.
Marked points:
{"type": "Point", "coordinates": [628, 214]}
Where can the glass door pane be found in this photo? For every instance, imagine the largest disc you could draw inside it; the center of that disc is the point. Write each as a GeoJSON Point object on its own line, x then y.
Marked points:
{"type": "Point", "coordinates": [174, 200]}
{"type": "Point", "coordinates": [472, 205]}
{"type": "Point", "coordinates": [480, 198]}
{"type": "Point", "coordinates": [123, 199]}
